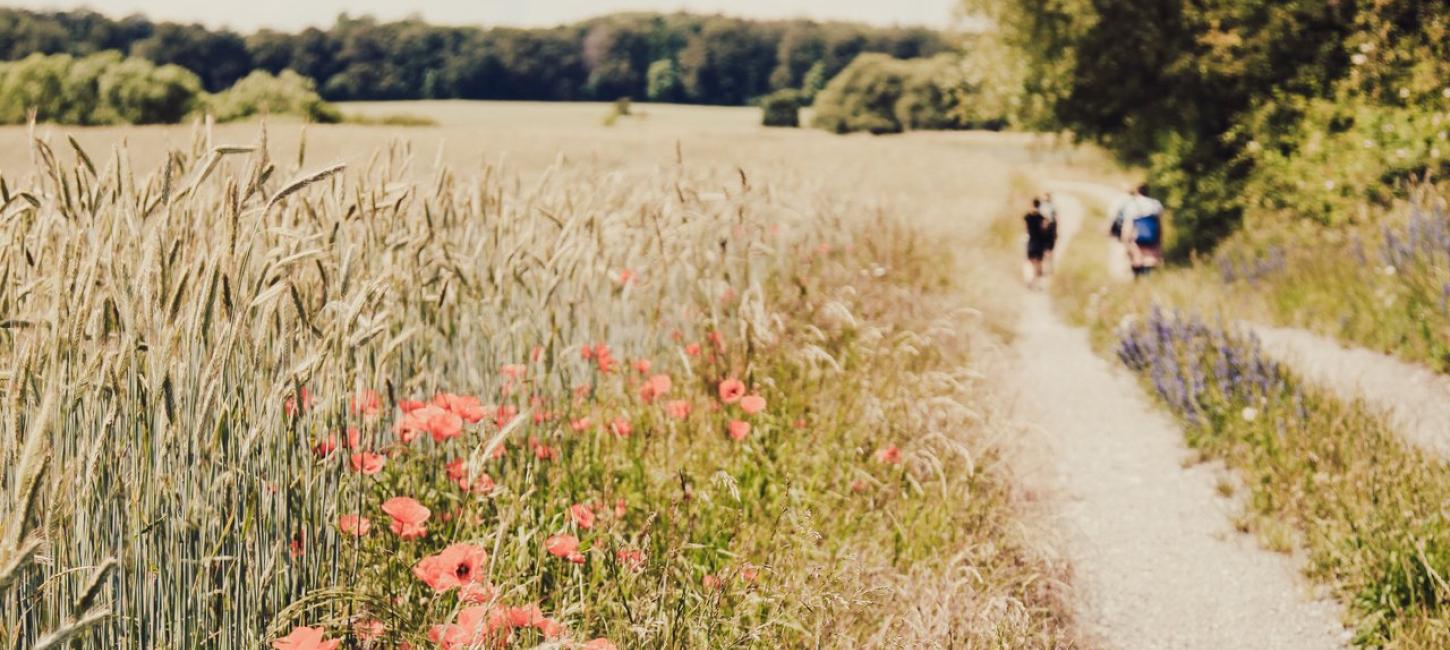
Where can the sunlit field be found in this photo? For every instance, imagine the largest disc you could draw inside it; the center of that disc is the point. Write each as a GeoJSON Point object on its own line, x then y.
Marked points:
{"type": "Point", "coordinates": [520, 378]}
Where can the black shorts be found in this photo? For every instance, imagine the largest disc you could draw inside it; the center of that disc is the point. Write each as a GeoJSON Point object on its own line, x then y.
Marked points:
{"type": "Point", "coordinates": [1036, 250]}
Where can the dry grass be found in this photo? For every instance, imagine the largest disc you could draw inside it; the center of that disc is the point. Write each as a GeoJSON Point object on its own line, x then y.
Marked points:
{"type": "Point", "coordinates": [176, 314]}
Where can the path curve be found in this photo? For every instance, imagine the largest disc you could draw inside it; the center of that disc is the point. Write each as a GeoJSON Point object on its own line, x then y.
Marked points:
{"type": "Point", "coordinates": [1157, 564]}
{"type": "Point", "coordinates": [1416, 398]}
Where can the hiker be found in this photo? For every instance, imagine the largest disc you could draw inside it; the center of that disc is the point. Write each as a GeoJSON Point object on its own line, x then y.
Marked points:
{"type": "Point", "coordinates": [1138, 223]}
{"type": "Point", "coordinates": [1037, 234]}
{"type": "Point", "coordinates": [1048, 208]}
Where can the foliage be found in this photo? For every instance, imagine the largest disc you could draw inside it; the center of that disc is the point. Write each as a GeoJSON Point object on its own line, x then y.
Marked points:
{"type": "Point", "coordinates": [261, 93]}
{"type": "Point", "coordinates": [714, 59]}
{"type": "Point", "coordinates": [879, 94]}
{"type": "Point", "coordinates": [98, 89]}
{"type": "Point", "coordinates": [782, 108]}
{"type": "Point", "coordinates": [1367, 507]}
{"type": "Point", "coordinates": [1241, 107]}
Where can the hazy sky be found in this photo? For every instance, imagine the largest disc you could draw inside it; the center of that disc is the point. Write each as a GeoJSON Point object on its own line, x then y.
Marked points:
{"type": "Point", "coordinates": [247, 15]}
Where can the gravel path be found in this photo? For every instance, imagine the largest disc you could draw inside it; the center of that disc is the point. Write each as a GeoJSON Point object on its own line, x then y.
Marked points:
{"type": "Point", "coordinates": [1416, 398]}
{"type": "Point", "coordinates": [1157, 564]}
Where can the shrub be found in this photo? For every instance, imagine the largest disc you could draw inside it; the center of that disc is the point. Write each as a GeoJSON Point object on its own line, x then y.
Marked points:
{"type": "Point", "coordinates": [782, 108]}
{"type": "Point", "coordinates": [287, 93]}
{"type": "Point", "coordinates": [880, 94]}
{"type": "Point", "coordinates": [99, 89]}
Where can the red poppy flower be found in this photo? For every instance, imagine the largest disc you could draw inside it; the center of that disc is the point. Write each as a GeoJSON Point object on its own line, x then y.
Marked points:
{"type": "Point", "coordinates": [731, 390]}
{"type": "Point", "coordinates": [621, 427]}
{"type": "Point", "coordinates": [642, 366]}
{"type": "Point", "coordinates": [564, 546]}
{"type": "Point", "coordinates": [466, 407]}
{"type": "Point", "coordinates": [693, 349]}
{"type": "Point", "coordinates": [305, 638]}
{"type": "Point", "coordinates": [408, 517]}
{"type": "Point", "coordinates": [354, 438]}
{"type": "Point", "coordinates": [655, 387]}
{"type": "Point", "coordinates": [752, 404]}
{"type": "Point", "coordinates": [582, 515]}
{"type": "Point", "coordinates": [739, 430]}
{"type": "Point", "coordinates": [678, 409]}
{"type": "Point", "coordinates": [632, 559]}
{"type": "Point", "coordinates": [367, 403]}
{"type": "Point", "coordinates": [290, 406]}
{"type": "Point", "coordinates": [600, 643]}
{"type": "Point", "coordinates": [355, 525]}
{"type": "Point", "coordinates": [453, 567]}
{"type": "Point", "coordinates": [368, 463]}
{"type": "Point", "coordinates": [888, 455]}
{"type": "Point", "coordinates": [325, 447]}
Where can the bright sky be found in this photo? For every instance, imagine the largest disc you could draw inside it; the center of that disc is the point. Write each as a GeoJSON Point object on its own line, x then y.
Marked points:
{"type": "Point", "coordinates": [248, 15]}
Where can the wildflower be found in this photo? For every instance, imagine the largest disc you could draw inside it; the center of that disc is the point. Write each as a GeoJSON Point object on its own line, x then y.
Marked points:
{"type": "Point", "coordinates": [580, 425]}
{"type": "Point", "coordinates": [1249, 414]}
{"type": "Point", "coordinates": [354, 438]}
{"type": "Point", "coordinates": [290, 406]}
{"type": "Point", "coordinates": [466, 407]}
{"type": "Point", "coordinates": [476, 592]}
{"type": "Point", "coordinates": [625, 277]}
{"type": "Point", "coordinates": [453, 567]}
{"type": "Point", "coordinates": [564, 546]}
{"type": "Point", "coordinates": [711, 581]}
{"type": "Point", "coordinates": [440, 423]}
{"type": "Point", "coordinates": [305, 638]}
{"type": "Point", "coordinates": [513, 371]}
{"type": "Point", "coordinates": [621, 427]}
{"type": "Point", "coordinates": [550, 628]}
{"type": "Point", "coordinates": [325, 447]}
{"type": "Point", "coordinates": [678, 409]}
{"type": "Point", "coordinates": [475, 627]}
{"type": "Point", "coordinates": [367, 403]}
{"type": "Point", "coordinates": [657, 386]}
{"type": "Point", "coordinates": [731, 390]}
{"type": "Point", "coordinates": [888, 455]}
{"type": "Point", "coordinates": [642, 366]}
{"type": "Point", "coordinates": [368, 629]}
{"type": "Point", "coordinates": [504, 414]}
{"type": "Point", "coordinates": [295, 548]}
{"type": "Point", "coordinates": [543, 451]}
{"type": "Point", "coordinates": [739, 430]}
{"type": "Point", "coordinates": [408, 517]}
{"type": "Point", "coordinates": [749, 573]}
{"type": "Point", "coordinates": [717, 339]}
{"type": "Point", "coordinates": [600, 643]}
{"type": "Point", "coordinates": [537, 353]}
{"type": "Point", "coordinates": [410, 405]}
{"type": "Point", "coordinates": [693, 349]}
{"type": "Point", "coordinates": [752, 404]}
{"type": "Point", "coordinates": [367, 462]}
{"type": "Point", "coordinates": [354, 524]}
{"type": "Point", "coordinates": [632, 559]}
{"type": "Point", "coordinates": [860, 485]}
{"type": "Point", "coordinates": [582, 515]}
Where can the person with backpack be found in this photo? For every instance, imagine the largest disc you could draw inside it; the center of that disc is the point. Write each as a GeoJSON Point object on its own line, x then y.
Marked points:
{"type": "Point", "coordinates": [1037, 238]}
{"type": "Point", "coordinates": [1140, 219]}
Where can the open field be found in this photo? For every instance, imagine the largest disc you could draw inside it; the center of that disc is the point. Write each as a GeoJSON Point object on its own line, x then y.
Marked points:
{"type": "Point", "coordinates": [672, 388]}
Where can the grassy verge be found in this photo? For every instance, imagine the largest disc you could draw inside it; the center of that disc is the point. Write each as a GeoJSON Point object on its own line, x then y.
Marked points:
{"type": "Point", "coordinates": [656, 408]}
{"type": "Point", "coordinates": [1322, 475]}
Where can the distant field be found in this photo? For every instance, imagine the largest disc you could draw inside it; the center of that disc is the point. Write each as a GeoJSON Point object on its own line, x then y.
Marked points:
{"type": "Point", "coordinates": [564, 115]}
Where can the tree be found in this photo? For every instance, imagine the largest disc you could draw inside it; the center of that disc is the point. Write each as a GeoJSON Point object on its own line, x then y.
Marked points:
{"type": "Point", "coordinates": [663, 81]}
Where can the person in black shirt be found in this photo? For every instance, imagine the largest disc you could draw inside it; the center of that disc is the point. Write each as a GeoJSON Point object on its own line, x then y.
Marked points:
{"type": "Point", "coordinates": [1037, 241]}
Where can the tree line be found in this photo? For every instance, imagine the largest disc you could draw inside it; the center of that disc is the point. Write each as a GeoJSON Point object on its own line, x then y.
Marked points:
{"type": "Point", "coordinates": [662, 57]}
{"type": "Point", "coordinates": [1238, 107]}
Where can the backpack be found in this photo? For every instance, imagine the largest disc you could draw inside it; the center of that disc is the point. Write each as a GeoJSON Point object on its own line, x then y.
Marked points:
{"type": "Point", "coordinates": [1148, 222]}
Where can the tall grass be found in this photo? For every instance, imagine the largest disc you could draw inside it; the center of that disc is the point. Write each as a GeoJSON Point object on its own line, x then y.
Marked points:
{"type": "Point", "coordinates": [208, 330]}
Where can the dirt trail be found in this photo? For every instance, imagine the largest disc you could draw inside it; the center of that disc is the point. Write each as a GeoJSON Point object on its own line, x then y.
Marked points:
{"type": "Point", "coordinates": [1416, 398]}
{"type": "Point", "coordinates": [1157, 563]}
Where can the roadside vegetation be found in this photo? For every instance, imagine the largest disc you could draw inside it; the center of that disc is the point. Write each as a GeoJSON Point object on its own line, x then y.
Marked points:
{"type": "Point", "coordinates": [252, 400]}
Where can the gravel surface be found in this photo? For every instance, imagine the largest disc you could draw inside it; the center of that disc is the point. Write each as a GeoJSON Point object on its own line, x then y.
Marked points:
{"type": "Point", "coordinates": [1416, 398]}
{"type": "Point", "coordinates": [1157, 563]}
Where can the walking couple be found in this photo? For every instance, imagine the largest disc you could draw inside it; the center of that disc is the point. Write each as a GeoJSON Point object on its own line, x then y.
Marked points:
{"type": "Point", "coordinates": [1041, 237]}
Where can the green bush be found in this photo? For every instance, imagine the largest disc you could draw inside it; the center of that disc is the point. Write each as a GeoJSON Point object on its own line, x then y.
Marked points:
{"type": "Point", "coordinates": [782, 108]}
{"type": "Point", "coordinates": [880, 94]}
{"type": "Point", "coordinates": [261, 92]}
{"type": "Point", "coordinates": [99, 89]}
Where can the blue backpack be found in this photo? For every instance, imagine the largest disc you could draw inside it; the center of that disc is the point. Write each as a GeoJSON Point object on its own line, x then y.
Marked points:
{"type": "Point", "coordinates": [1147, 231]}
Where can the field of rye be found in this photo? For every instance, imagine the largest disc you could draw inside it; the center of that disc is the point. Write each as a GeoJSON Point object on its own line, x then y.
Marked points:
{"type": "Point", "coordinates": [251, 400]}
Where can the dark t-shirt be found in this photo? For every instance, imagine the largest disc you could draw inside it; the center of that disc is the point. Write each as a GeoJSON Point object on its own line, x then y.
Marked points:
{"type": "Point", "coordinates": [1036, 227]}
